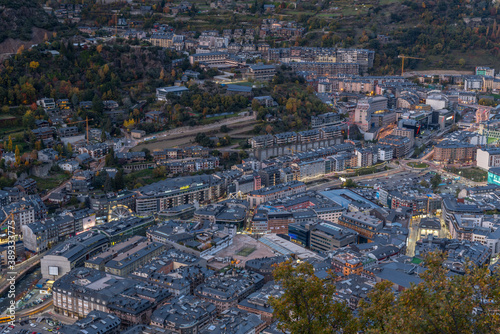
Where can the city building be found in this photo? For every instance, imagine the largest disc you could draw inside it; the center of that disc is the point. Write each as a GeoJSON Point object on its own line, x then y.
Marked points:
{"type": "Point", "coordinates": [228, 290]}
{"type": "Point", "coordinates": [367, 226]}
{"type": "Point", "coordinates": [83, 290]}
{"type": "Point", "coordinates": [452, 151]}
{"type": "Point", "coordinates": [257, 197]}
{"type": "Point", "coordinates": [184, 315]}
{"type": "Point", "coordinates": [488, 157]}
{"type": "Point", "coordinates": [170, 193]}
{"type": "Point", "coordinates": [71, 254]}
{"type": "Point", "coordinates": [96, 322]}
{"type": "Point", "coordinates": [326, 236]}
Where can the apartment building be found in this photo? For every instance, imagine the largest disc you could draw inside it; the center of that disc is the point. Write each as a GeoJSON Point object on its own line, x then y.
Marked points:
{"type": "Point", "coordinates": [452, 151]}
{"type": "Point", "coordinates": [257, 197]}
{"type": "Point", "coordinates": [367, 226]}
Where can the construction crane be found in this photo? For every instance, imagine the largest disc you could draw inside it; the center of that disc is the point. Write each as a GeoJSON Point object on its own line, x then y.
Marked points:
{"type": "Point", "coordinates": [403, 57]}
{"type": "Point", "coordinates": [292, 150]}
{"type": "Point", "coordinates": [86, 120]}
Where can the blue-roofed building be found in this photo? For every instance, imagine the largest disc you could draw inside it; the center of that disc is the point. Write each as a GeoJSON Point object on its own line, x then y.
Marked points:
{"type": "Point", "coordinates": [238, 89]}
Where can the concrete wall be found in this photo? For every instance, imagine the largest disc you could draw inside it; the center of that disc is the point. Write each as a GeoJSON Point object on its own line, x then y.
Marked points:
{"type": "Point", "coordinates": [267, 152]}
{"type": "Point", "coordinates": [54, 261]}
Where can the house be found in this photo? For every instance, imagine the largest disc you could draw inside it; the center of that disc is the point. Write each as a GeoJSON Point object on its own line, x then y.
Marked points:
{"type": "Point", "coordinates": [130, 157]}
{"type": "Point", "coordinates": [44, 133]}
{"type": "Point", "coordinates": [41, 123]}
{"type": "Point", "coordinates": [266, 101]}
{"type": "Point", "coordinates": [85, 105]}
{"type": "Point", "coordinates": [155, 116]}
{"type": "Point", "coordinates": [27, 186]}
{"type": "Point", "coordinates": [46, 103]}
{"type": "Point", "coordinates": [9, 157]}
{"type": "Point", "coordinates": [58, 198]}
{"type": "Point", "coordinates": [161, 93]}
{"type": "Point", "coordinates": [47, 155]}
{"type": "Point", "coordinates": [110, 104]}
{"type": "Point", "coordinates": [138, 134]}
{"type": "Point", "coordinates": [84, 159]}
{"type": "Point", "coordinates": [96, 151]}
{"type": "Point", "coordinates": [69, 165]}
{"type": "Point", "coordinates": [68, 131]}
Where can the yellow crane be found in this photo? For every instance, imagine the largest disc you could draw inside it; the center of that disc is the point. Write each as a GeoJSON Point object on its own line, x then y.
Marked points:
{"type": "Point", "coordinates": [403, 57]}
{"type": "Point", "coordinates": [292, 150]}
{"type": "Point", "coordinates": [86, 120]}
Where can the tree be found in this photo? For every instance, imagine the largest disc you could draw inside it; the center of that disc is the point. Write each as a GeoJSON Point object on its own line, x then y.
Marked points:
{"type": "Point", "coordinates": [119, 183]}
{"type": "Point", "coordinates": [424, 183]}
{"type": "Point", "coordinates": [461, 62]}
{"type": "Point", "coordinates": [18, 155]}
{"type": "Point", "coordinates": [349, 183]}
{"type": "Point", "coordinates": [436, 181]}
{"type": "Point", "coordinates": [255, 105]}
{"type": "Point", "coordinates": [9, 145]}
{"type": "Point", "coordinates": [97, 104]}
{"type": "Point", "coordinates": [442, 303]}
{"type": "Point", "coordinates": [108, 184]}
{"type": "Point", "coordinates": [160, 171]}
{"type": "Point", "coordinates": [110, 160]}
{"type": "Point", "coordinates": [74, 100]}
{"type": "Point", "coordinates": [34, 65]}
{"type": "Point", "coordinates": [69, 149]}
{"type": "Point", "coordinates": [307, 305]}
{"type": "Point", "coordinates": [29, 120]}
{"type": "Point", "coordinates": [224, 128]}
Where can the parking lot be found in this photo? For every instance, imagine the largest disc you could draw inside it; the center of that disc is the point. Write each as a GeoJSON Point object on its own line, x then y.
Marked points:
{"type": "Point", "coordinates": [32, 326]}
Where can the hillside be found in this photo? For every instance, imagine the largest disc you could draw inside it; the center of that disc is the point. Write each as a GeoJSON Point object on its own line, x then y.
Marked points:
{"type": "Point", "coordinates": [449, 34]}
{"type": "Point", "coordinates": [23, 22]}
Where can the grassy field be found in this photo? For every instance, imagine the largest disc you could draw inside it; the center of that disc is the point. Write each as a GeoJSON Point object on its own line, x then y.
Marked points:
{"type": "Point", "coordinates": [51, 181]}
{"type": "Point", "coordinates": [418, 164]}
{"type": "Point", "coordinates": [472, 173]}
{"type": "Point", "coordinates": [246, 251]}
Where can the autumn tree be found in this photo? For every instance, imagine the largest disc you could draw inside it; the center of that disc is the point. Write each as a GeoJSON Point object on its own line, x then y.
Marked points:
{"type": "Point", "coordinates": [9, 145]}
{"type": "Point", "coordinates": [18, 155]}
{"type": "Point", "coordinates": [307, 305]}
{"type": "Point", "coordinates": [442, 303]}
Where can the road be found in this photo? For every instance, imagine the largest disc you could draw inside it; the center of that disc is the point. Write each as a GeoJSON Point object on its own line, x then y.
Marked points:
{"type": "Point", "coordinates": [58, 189]}
{"type": "Point", "coordinates": [187, 130]}
{"type": "Point", "coordinates": [338, 183]}
{"type": "Point", "coordinates": [435, 167]}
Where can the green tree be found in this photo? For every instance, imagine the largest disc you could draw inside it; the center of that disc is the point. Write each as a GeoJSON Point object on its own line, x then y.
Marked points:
{"type": "Point", "coordinates": [29, 120]}
{"type": "Point", "coordinates": [110, 160]}
{"type": "Point", "coordinates": [349, 183]}
{"type": "Point", "coordinates": [307, 305]}
{"type": "Point", "coordinates": [119, 182]}
{"type": "Point", "coordinates": [160, 171]}
{"type": "Point", "coordinates": [97, 104]}
{"type": "Point", "coordinates": [74, 101]}
{"type": "Point", "coordinates": [435, 181]}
